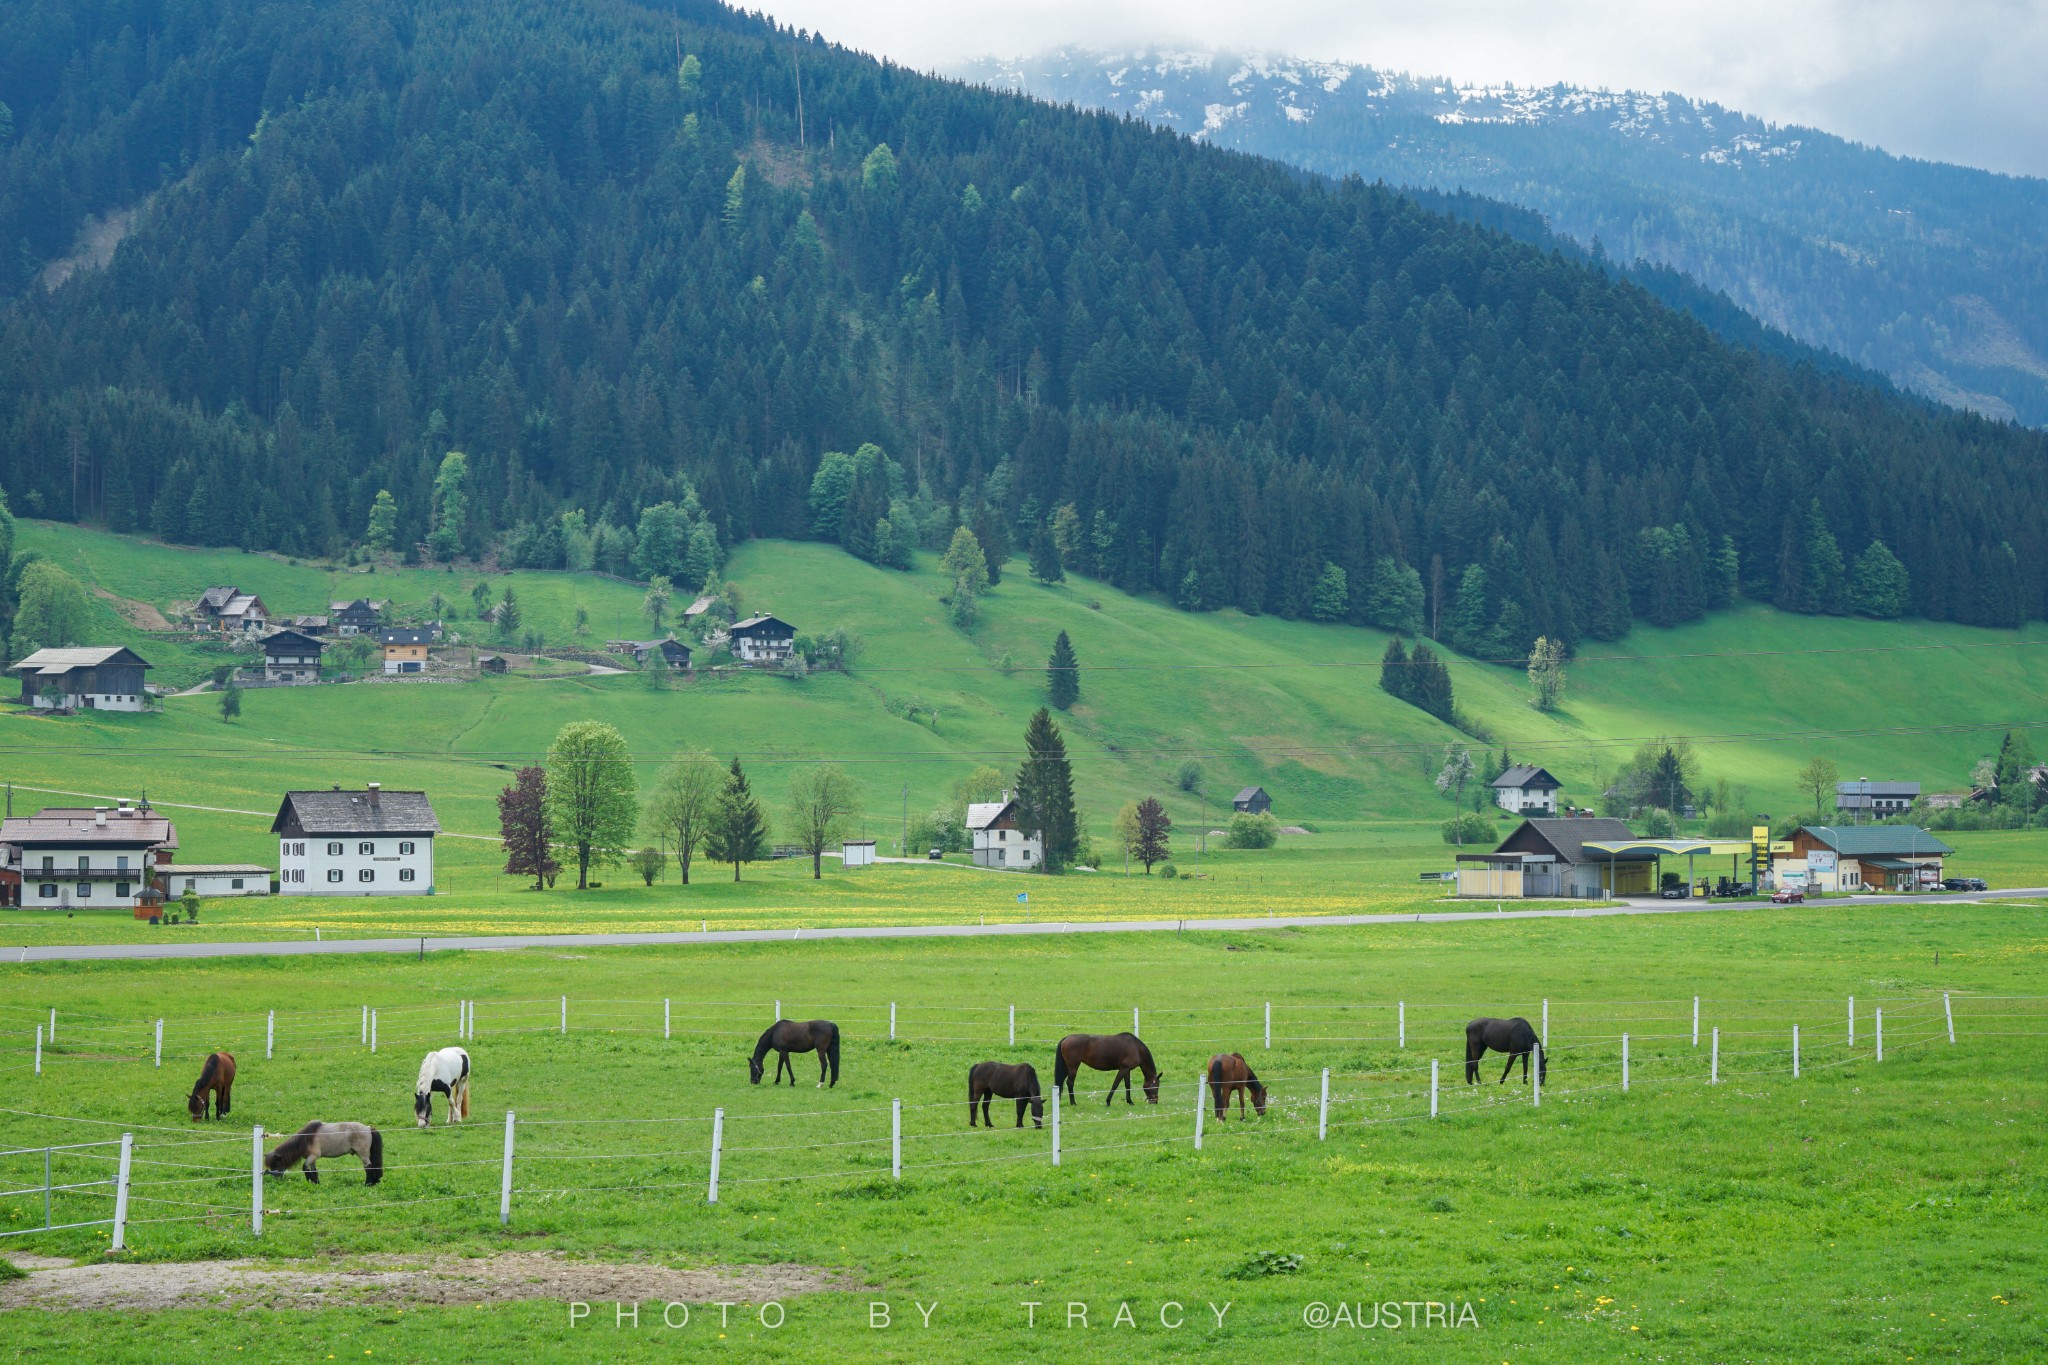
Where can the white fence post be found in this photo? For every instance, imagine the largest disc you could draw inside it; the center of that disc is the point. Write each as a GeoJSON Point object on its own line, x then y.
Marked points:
{"type": "Point", "coordinates": [256, 1181]}
{"type": "Point", "coordinates": [664, 1018]}
{"type": "Point", "coordinates": [892, 1021]}
{"type": "Point", "coordinates": [1013, 1026]}
{"type": "Point", "coordinates": [1947, 1012]}
{"type": "Point", "coordinates": [1695, 1021]}
{"type": "Point", "coordinates": [471, 1022]}
{"type": "Point", "coordinates": [1323, 1110]}
{"type": "Point", "coordinates": [1624, 1063]}
{"type": "Point", "coordinates": [373, 1032]}
{"type": "Point", "coordinates": [778, 1011]}
{"type": "Point", "coordinates": [269, 1035]}
{"type": "Point", "coordinates": [1401, 1025]}
{"type": "Point", "coordinates": [565, 1014]}
{"type": "Point", "coordinates": [366, 1025]}
{"type": "Point", "coordinates": [1878, 1029]}
{"type": "Point", "coordinates": [505, 1177]}
{"type": "Point", "coordinates": [1535, 1084]}
{"type": "Point", "coordinates": [1714, 1064]}
{"type": "Point", "coordinates": [717, 1149]}
{"type": "Point", "coordinates": [1852, 1021]}
{"type": "Point", "coordinates": [1134, 1019]}
{"type": "Point", "coordinates": [1432, 1087]}
{"type": "Point", "coordinates": [1201, 1096]}
{"type": "Point", "coordinates": [159, 1042]}
{"type": "Point", "coordinates": [895, 1139]}
{"type": "Point", "coordinates": [1795, 1052]}
{"type": "Point", "coordinates": [121, 1193]}
{"type": "Point", "coordinates": [1546, 1021]}
{"type": "Point", "coordinates": [39, 1049]}
{"type": "Point", "coordinates": [53, 1024]}
{"type": "Point", "coordinates": [1055, 1126]}
{"type": "Point", "coordinates": [1269, 1026]}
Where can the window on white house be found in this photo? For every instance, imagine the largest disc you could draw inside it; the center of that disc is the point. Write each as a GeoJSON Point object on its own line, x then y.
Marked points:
{"type": "Point", "coordinates": [368, 874]}
{"type": "Point", "coordinates": [406, 847]}
{"type": "Point", "coordinates": [85, 891]}
{"type": "Point", "coordinates": [85, 862]}
{"type": "Point", "coordinates": [333, 874]}
{"type": "Point", "coordinates": [121, 890]}
{"type": "Point", "coordinates": [334, 849]}
{"type": "Point", "coordinates": [366, 848]}
{"type": "Point", "coordinates": [48, 891]}
{"type": "Point", "coordinates": [405, 874]}
{"type": "Point", "coordinates": [235, 884]}
{"type": "Point", "coordinates": [121, 862]}
{"type": "Point", "coordinates": [49, 863]}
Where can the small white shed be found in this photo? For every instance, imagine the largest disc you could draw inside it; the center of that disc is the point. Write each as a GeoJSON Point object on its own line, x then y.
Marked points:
{"type": "Point", "coordinates": [215, 879]}
{"type": "Point", "coordinates": [857, 853]}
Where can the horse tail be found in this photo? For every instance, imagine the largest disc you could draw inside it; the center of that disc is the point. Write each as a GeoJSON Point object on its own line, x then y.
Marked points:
{"type": "Point", "coordinates": [832, 1053]}
{"type": "Point", "coordinates": [1059, 1065]}
{"type": "Point", "coordinates": [1216, 1070]}
{"type": "Point", "coordinates": [373, 1164]}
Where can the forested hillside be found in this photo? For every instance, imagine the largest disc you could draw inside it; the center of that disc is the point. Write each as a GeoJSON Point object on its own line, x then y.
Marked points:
{"type": "Point", "coordinates": [627, 262]}
{"type": "Point", "coordinates": [1932, 274]}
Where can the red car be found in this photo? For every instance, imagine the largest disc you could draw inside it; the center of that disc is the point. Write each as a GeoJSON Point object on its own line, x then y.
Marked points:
{"type": "Point", "coordinates": [1788, 895]}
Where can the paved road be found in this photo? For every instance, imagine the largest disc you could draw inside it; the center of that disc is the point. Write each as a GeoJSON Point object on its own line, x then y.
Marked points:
{"type": "Point", "coordinates": [505, 942]}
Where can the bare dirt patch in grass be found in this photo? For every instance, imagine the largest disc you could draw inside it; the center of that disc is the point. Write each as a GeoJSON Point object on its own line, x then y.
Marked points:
{"type": "Point", "coordinates": [141, 615]}
{"type": "Point", "coordinates": [404, 1280]}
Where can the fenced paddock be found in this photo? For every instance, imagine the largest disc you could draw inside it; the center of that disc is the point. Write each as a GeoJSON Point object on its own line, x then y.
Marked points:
{"type": "Point", "coordinates": [590, 1111]}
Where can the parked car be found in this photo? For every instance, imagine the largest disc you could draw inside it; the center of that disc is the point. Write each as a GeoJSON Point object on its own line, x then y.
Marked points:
{"type": "Point", "coordinates": [1973, 884]}
{"type": "Point", "coordinates": [1675, 893]}
{"type": "Point", "coordinates": [1788, 895]}
{"type": "Point", "coordinates": [936, 854]}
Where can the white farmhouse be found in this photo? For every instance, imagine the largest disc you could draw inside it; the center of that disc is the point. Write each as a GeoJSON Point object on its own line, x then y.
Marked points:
{"type": "Point", "coordinates": [1526, 790]}
{"type": "Point", "coordinates": [92, 679]}
{"type": "Point", "coordinates": [74, 856]}
{"type": "Point", "coordinates": [999, 840]}
{"type": "Point", "coordinates": [355, 843]}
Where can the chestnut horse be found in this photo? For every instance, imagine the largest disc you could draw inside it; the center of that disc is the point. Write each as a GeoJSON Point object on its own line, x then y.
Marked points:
{"type": "Point", "coordinates": [1018, 1082]}
{"type": "Point", "coordinates": [216, 1083]}
{"type": "Point", "coordinates": [1512, 1036]}
{"type": "Point", "coordinates": [1118, 1052]}
{"type": "Point", "coordinates": [1230, 1074]}
{"type": "Point", "coordinates": [788, 1035]}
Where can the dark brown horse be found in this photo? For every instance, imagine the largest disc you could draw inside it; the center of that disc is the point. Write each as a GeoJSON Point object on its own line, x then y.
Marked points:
{"type": "Point", "coordinates": [1230, 1074]}
{"type": "Point", "coordinates": [216, 1083]}
{"type": "Point", "coordinates": [1118, 1052]}
{"type": "Point", "coordinates": [1018, 1082]}
{"type": "Point", "coordinates": [1512, 1036]}
{"type": "Point", "coordinates": [788, 1035]}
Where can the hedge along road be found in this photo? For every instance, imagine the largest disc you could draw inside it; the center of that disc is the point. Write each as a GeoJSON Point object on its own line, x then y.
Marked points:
{"type": "Point", "coordinates": [505, 942]}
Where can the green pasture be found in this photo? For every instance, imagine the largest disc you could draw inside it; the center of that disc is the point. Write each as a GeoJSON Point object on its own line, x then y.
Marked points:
{"type": "Point", "coordinates": [1864, 1211]}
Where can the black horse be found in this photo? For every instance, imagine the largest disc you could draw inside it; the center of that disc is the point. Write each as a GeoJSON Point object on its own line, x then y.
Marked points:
{"type": "Point", "coordinates": [789, 1035]}
{"type": "Point", "coordinates": [1018, 1082]}
{"type": "Point", "coordinates": [1512, 1036]}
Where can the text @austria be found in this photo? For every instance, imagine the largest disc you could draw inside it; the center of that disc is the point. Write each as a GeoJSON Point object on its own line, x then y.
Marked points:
{"type": "Point", "coordinates": [1039, 1315]}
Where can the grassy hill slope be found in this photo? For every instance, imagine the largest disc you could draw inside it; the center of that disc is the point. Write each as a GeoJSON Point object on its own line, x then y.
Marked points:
{"type": "Point", "coordinates": [1291, 705]}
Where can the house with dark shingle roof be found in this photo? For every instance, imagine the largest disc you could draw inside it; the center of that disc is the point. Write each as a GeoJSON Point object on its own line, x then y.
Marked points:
{"type": "Point", "coordinates": [1252, 801]}
{"type": "Point", "coordinates": [356, 843]}
{"type": "Point", "coordinates": [1525, 787]}
{"type": "Point", "coordinates": [1865, 797]}
{"type": "Point", "coordinates": [102, 678]}
{"type": "Point", "coordinates": [1873, 857]}
{"type": "Point", "coordinates": [1549, 857]}
{"type": "Point", "coordinates": [84, 856]}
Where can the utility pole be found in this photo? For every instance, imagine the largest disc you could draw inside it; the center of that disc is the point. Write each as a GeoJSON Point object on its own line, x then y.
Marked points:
{"type": "Point", "coordinates": [903, 847]}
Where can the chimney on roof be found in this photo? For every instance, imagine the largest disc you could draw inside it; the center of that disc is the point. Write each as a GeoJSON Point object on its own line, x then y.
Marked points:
{"type": "Point", "coordinates": [375, 788]}
{"type": "Point", "coordinates": [99, 816]}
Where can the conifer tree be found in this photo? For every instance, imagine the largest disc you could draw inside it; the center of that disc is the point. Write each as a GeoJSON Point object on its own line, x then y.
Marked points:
{"type": "Point", "coordinates": [1045, 791]}
{"type": "Point", "coordinates": [1045, 556]}
{"type": "Point", "coordinates": [1394, 678]}
{"type": "Point", "coordinates": [1063, 674]}
{"type": "Point", "coordinates": [739, 829]}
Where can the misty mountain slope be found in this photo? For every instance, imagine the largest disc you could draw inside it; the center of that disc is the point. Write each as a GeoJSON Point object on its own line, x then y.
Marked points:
{"type": "Point", "coordinates": [1935, 275]}
{"type": "Point", "coordinates": [670, 281]}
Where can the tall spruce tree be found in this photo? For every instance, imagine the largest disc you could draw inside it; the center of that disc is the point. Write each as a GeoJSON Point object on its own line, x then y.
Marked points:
{"type": "Point", "coordinates": [739, 829]}
{"type": "Point", "coordinates": [1045, 556]}
{"type": "Point", "coordinates": [1063, 674]}
{"type": "Point", "coordinates": [1394, 677]}
{"type": "Point", "coordinates": [1045, 791]}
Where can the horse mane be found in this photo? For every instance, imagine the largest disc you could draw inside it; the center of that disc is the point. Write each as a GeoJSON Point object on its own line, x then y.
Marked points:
{"type": "Point", "coordinates": [1145, 1055]}
{"type": "Point", "coordinates": [767, 1037]}
{"type": "Point", "coordinates": [206, 1074]}
{"type": "Point", "coordinates": [293, 1148]}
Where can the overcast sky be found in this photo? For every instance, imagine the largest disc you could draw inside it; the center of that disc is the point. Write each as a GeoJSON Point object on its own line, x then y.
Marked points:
{"type": "Point", "coordinates": [1953, 80]}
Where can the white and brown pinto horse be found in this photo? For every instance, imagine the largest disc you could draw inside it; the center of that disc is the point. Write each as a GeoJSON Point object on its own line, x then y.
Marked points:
{"type": "Point", "coordinates": [448, 1072]}
{"type": "Point", "coordinates": [316, 1140]}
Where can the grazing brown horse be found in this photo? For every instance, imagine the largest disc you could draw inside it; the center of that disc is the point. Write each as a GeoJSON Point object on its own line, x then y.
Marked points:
{"type": "Point", "coordinates": [1018, 1082]}
{"type": "Point", "coordinates": [1118, 1052]}
{"type": "Point", "coordinates": [216, 1083]}
{"type": "Point", "coordinates": [788, 1035]}
{"type": "Point", "coordinates": [1512, 1036]}
{"type": "Point", "coordinates": [1230, 1074]}
{"type": "Point", "coordinates": [316, 1140]}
